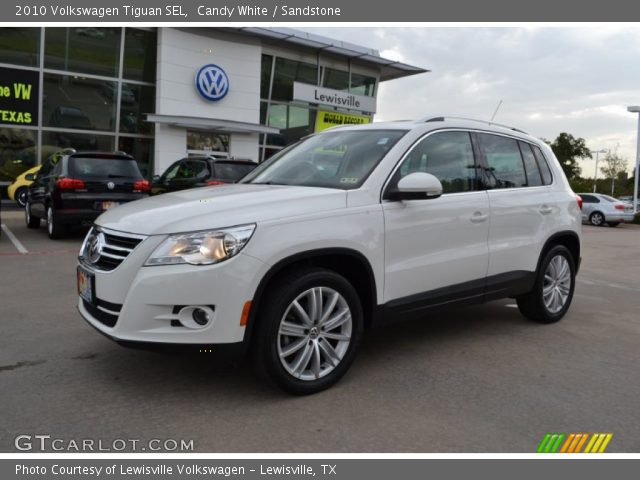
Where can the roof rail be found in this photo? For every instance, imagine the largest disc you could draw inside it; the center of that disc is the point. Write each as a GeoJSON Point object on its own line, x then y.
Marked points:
{"type": "Point", "coordinates": [441, 118]}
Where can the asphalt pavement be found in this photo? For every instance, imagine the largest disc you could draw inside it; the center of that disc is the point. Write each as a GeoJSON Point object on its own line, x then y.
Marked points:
{"type": "Point", "coordinates": [480, 379]}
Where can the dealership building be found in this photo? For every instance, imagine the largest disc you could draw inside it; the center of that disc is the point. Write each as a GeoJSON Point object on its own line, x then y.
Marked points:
{"type": "Point", "coordinates": [161, 94]}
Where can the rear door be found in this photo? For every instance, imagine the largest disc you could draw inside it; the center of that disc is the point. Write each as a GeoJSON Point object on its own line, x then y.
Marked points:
{"type": "Point", "coordinates": [522, 208]}
{"type": "Point", "coordinates": [589, 205]}
{"type": "Point", "coordinates": [38, 189]}
{"type": "Point", "coordinates": [436, 250]}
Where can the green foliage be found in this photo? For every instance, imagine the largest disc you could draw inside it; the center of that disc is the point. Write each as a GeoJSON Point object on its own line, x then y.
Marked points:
{"type": "Point", "coordinates": [568, 150]}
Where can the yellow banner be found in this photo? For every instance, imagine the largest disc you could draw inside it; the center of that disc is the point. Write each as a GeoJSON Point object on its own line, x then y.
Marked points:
{"type": "Point", "coordinates": [326, 120]}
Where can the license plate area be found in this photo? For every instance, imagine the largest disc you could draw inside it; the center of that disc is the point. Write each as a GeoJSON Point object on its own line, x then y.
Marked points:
{"type": "Point", "coordinates": [109, 205]}
{"type": "Point", "coordinates": [86, 285]}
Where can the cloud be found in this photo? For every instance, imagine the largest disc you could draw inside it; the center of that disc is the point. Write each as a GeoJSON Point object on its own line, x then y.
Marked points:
{"type": "Point", "coordinates": [550, 79]}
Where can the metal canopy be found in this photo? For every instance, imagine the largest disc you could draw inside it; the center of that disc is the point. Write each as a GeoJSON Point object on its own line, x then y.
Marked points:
{"type": "Point", "coordinates": [205, 123]}
{"type": "Point", "coordinates": [389, 69]}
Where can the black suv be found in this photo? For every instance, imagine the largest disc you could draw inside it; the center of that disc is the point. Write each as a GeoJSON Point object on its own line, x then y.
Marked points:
{"type": "Point", "coordinates": [200, 171]}
{"type": "Point", "coordinates": [73, 188]}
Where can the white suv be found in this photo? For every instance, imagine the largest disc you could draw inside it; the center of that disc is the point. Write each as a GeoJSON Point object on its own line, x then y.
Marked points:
{"type": "Point", "coordinates": [345, 229]}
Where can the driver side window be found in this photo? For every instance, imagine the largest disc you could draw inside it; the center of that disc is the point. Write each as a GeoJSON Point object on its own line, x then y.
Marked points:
{"type": "Point", "coordinates": [446, 155]}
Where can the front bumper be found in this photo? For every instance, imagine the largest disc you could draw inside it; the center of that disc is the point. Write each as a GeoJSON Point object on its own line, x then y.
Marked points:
{"type": "Point", "coordinates": [138, 304]}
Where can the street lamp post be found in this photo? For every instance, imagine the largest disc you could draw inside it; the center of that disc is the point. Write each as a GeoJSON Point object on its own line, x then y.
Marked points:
{"type": "Point", "coordinates": [595, 176]}
{"type": "Point", "coordinates": [636, 109]}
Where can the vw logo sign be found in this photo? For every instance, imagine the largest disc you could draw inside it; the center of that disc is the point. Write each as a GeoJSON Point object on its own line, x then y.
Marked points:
{"type": "Point", "coordinates": [111, 185]}
{"type": "Point", "coordinates": [94, 249]}
{"type": "Point", "coordinates": [212, 82]}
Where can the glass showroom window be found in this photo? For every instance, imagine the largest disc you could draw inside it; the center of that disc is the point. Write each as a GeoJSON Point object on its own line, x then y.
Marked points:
{"type": "Point", "coordinates": [336, 79]}
{"type": "Point", "coordinates": [20, 46]}
{"type": "Point", "coordinates": [294, 123]}
{"type": "Point", "coordinates": [17, 152]}
{"type": "Point", "coordinates": [56, 141]}
{"type": "Point", "coordinates": [363, 85]}
{"type": "Point", "coordinates": [75, 102]}
{"type": "Point", "coordinates": [142, 150]}
{"type": "Point", "coordinates": [289, 71]}
{"type": "Point", "coordinates": [136, 101]}
{"type": "Point", "coordinates": [87, 49]}
{"type": "Point", "coordinates": [140, 55]}
{"type": "Point", "coordinates": [202, 141]}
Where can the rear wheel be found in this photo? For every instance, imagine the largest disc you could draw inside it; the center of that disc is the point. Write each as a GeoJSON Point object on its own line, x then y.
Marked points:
{"type": "Point", "coordinates": [31, 220]}
{"type": "Point", "coordinates": [553, 290]}
{"type": "Point", "coordinates": [55, 229]}
{"type": "Point", "coordinates": [309, 331]}
{"type": "Point", "coordinates": [596, 219]}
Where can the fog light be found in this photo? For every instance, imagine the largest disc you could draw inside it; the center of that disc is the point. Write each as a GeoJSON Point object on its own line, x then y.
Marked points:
{"type": "Point", "coordinates": [196, 316]}
{"type": "Point", "coordinates": [200, 316]}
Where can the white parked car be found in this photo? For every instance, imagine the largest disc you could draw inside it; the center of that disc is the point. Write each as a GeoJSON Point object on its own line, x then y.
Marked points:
{"type": "Point", "coordinates": [343, 230]}
{"type": "Point", "coordinates": [598, 209]}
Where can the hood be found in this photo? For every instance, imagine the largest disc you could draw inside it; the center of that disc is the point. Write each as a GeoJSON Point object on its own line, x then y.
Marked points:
{"type": "Point", "coordinates": [219, 206]}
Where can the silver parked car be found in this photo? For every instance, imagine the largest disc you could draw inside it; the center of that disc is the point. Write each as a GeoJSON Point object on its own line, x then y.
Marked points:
{"type": "Point", "coordinates": [598, 209]}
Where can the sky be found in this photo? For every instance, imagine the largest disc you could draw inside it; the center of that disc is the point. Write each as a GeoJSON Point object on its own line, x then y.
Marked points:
{"type": "Point", "coordinates": [578, 80]}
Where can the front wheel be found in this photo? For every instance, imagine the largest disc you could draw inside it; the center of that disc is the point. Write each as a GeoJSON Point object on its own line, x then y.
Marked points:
{"type": "Point", "coordinates": [553, 290]}
{"type": "Point", "coordinates": [309, 331]}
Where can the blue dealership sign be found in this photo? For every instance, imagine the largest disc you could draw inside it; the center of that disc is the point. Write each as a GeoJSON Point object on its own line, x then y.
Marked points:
{"type": "Point", "coordinates": [212, 82]}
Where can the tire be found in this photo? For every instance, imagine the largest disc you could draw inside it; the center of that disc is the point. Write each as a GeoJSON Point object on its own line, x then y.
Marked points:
{"type": "Point", "coordinates": [596, 219]}
{"type": "Point", "coordinates": [21, 196]}
{"type": "Point", "coordinates": [31, 220]}
{"type": "Point", "coordinates": [318, 357]}
{"type": "Point", "coordinates": [553, 290]}
{"type": "Point", "coordinates": [55, 229]}
{"type": "Point", "coordinates": [613, 224]}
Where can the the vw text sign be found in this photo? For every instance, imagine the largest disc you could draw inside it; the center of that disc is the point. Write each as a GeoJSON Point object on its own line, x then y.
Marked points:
{"type": "Point", "coordinates": [212, 82]}
{"type": "Point", "coordinates": [334, 98]}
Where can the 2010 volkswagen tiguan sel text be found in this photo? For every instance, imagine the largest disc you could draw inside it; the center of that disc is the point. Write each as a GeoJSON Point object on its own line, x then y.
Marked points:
{"type": "Point", "coordinates": [343, 230]}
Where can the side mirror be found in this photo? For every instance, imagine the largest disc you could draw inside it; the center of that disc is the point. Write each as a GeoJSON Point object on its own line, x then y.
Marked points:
{"type": "Point", "coordinates": [30, 177]}
{"type": "Point", "coordinates": [417, 186]}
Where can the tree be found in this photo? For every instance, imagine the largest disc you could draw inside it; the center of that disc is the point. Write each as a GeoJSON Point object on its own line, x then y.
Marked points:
{"type": "Point", "coordinates": [614, 167]}
{"type": "Point", "coordinates": [568, 150]}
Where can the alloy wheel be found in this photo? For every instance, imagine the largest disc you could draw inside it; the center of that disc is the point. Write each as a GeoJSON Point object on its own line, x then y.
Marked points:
{"type": "Point", "coordinates": [557, 284]}
{"type": "Point", "coordinates": [314, 333]}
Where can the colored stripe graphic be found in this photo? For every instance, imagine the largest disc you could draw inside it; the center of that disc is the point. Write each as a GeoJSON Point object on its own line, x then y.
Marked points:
{"type": "Point", "coordinates": [574, 442]}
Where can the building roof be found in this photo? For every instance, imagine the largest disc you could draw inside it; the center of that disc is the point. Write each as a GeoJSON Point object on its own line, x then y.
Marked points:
{"type": "Point", "coordinates": [389, 69]}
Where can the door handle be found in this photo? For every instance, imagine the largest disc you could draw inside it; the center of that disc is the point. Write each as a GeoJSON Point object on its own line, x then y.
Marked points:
{"type": "Point", "coordinates": [478, 217]}
{"type": "Point", "coordinates": [545, 209]}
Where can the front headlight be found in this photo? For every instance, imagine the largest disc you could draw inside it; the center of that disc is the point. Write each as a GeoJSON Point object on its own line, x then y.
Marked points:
{"type": "Point", "coordinates": [202, 248]}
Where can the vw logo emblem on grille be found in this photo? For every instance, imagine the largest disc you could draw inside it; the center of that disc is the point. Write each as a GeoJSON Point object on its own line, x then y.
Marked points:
{"type": "Point", "coordinates": [212, 82]}
{"type": "Point", "coordinates": [94, 249]}
{"type": "Point", "coordinates": [111, 185]}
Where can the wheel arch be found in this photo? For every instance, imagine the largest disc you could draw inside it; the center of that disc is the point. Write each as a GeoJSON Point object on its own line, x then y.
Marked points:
{"type": "Point", "coordinates": [568, 239]}
{"type": "Point", "coordinates": [347, 262]}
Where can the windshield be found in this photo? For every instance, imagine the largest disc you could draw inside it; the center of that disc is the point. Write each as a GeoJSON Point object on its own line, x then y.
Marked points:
{"type": "Point", "coordinates": [341, 159]}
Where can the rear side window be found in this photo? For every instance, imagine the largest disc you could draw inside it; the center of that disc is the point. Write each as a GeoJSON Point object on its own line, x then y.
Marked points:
{"type": "Point", "coordinates": [530, 165]}
{"type": "Point", "coordinates": [112, 167]}
{"type": "Point", "coordinates": [232, 171]}
{"type": "Point", "coordinates": [446, 155]}
{"type": "Point", "coordinates": [505, 168]}
{"type": "Point", "coordinates": [589, 199]}
{"type": "Point", "coordinates": [547, 178]}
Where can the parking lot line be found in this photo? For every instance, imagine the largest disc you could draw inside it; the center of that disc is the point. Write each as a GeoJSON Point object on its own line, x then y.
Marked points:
{"type": "Point", "coordinates": [16, 243]}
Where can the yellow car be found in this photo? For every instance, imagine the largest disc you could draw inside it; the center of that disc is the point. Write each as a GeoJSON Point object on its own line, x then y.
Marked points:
{"type": "Point", "coordinates": [18, 189]}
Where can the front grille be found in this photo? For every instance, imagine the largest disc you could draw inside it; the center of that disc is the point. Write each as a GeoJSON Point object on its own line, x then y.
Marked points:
{"type": "Point", "coordinates": [115, 249]}
{"type": "Point", "coordinates": [105, 312]}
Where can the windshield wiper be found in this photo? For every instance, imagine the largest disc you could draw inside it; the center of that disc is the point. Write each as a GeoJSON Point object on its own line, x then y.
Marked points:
{"type": "Point", "coordinates": [268, 183]}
